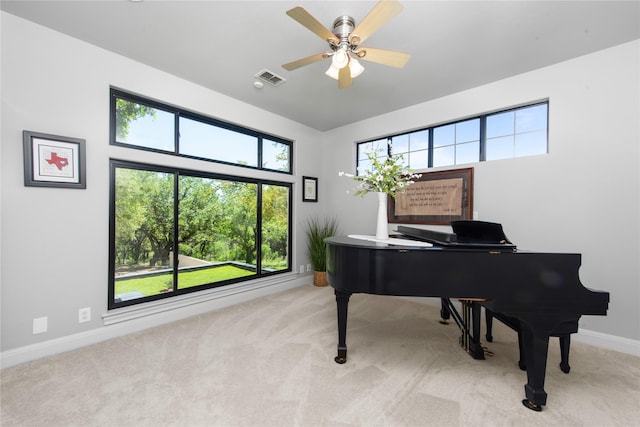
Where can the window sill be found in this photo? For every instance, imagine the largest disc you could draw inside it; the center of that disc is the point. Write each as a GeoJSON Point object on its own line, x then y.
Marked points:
{"type": "Point", "coordinates": [189, 300]}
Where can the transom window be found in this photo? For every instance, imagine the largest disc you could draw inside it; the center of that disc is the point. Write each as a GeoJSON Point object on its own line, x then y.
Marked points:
{"type": "Point", "coordinates": [517, 132]}
{"type": "Point", "coordinates": [141, 123]}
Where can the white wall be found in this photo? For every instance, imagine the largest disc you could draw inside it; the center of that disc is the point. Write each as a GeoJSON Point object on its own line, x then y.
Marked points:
{"type": "Point", "coordinates": [54, 242]}
{"type": "Point", "coordinates": [582, 197]}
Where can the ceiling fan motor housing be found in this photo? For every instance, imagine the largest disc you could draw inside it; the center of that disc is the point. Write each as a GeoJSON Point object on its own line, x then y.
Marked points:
{"type": "Point", "coordinates": [342, 27]}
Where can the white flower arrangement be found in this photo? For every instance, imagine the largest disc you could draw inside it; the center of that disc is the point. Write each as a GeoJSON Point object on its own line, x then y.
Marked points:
{"type": "Point", "coordinates": [389, 176]}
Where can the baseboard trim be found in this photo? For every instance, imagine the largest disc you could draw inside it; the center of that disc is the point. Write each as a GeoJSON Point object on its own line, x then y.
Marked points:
{"type": "Point", "coordinates": [610, 342]}
{"type": "Point", "coordinates": [121, 328]}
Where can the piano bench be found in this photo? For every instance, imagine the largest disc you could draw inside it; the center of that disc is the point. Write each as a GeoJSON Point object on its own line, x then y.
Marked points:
{"type": "Point", "coordinates": [565, 339]}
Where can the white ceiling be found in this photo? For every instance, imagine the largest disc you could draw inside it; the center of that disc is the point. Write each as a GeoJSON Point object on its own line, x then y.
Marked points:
{"type": "Point", "coordinates": [455, 45]}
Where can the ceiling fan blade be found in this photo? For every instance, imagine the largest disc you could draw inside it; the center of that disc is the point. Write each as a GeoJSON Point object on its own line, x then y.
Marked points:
{"type": "Point", "coordinates": [344, 77]}
{"type": "Point", "coordinates": [293, 65]}
{"type": "Point", "coordinates": [381, 13]}
{"type": "Point", "coordinates": [383, 56]}
{"type": "Point", "coordinates": [306, 19]}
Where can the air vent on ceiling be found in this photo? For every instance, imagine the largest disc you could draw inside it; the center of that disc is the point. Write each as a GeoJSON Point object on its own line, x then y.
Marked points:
{"type": "Point", "coordinates": [270, 77]}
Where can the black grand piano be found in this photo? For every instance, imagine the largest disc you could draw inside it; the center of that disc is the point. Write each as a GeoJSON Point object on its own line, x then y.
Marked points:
{"type": "Point", "coordinates": [541, 291]}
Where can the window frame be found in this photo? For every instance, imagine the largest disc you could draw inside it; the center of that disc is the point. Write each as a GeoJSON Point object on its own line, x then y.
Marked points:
{"type": "Point", "coordinates": [178, 112]}
{"type": "Point", "coordinates": [114, 164]}
{"type": "Point", "coordinates": [430, 130]}
{"type": "Point", "coordinates": [166, 166]}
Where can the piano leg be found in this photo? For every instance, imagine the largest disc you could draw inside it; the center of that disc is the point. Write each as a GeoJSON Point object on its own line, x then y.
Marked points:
{"type": "Point", "coordinates": [522, 364]}
{"type": "Point", "coordinates": [445, 314]}
{"type": "Point", "coordinates": [489, 320]}
{"type": "Point", "coordinates": [536, 347]}
{"type": "Point", "coordinates": [342, 303]}
{"type": "Point", "coordinates": [565, 344]}
{"type": "Point", "coordinates": [475, 347]}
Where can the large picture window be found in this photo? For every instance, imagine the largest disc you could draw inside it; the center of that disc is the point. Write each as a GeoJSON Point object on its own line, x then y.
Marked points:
{"type": "Point", "coordinates": [175, 231]}
{"type": "Point", "coordinates": [517, 132]}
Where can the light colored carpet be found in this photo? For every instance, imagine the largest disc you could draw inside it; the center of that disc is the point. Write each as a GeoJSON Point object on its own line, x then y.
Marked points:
{"type": "Point", "coordinates": [269, 362]}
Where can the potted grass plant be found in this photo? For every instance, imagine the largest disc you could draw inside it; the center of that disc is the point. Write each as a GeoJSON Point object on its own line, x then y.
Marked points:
{"type": "Point", "coordinates": [317, 230]}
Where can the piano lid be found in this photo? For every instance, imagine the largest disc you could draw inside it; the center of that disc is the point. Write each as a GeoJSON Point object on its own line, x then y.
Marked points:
{"type": "Point", "coordinates": [466, 234]}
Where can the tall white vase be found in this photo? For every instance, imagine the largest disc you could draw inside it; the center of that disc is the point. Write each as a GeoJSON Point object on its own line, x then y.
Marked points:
{"type": "Point", "coordinates": [382, 230]}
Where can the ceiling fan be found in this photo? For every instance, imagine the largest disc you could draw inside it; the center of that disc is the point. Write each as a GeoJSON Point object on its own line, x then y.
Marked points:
{"type": "Point", "coordinates": [345, 41]}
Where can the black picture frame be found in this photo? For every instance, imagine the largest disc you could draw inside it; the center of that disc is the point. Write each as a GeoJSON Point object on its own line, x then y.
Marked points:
{"type": "Point", "coordinates": [309, 189]}
{"type": "Point", "coordinates": [54, 161]}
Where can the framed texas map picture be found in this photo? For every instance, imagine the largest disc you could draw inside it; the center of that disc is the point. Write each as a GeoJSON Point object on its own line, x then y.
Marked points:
{"type": "Point", "coordinates": [435, 198]}
{"type": "Point", "coordinates": [54, 161]}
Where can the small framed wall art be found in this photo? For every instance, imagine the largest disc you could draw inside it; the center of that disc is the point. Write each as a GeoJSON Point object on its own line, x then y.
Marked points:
{"type": "Point", "coordinates": [54, 161]}
{"type": "Point", "coordinates": [309, 189]}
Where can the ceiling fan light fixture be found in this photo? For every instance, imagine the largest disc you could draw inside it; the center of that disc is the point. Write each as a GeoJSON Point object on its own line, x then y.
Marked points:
{"type": "Point", "coordinates": [340, 58]}
{"type": "Point", "coordinates": [355, 67]}
{"type": "Point", "coordinates": [333, 72]}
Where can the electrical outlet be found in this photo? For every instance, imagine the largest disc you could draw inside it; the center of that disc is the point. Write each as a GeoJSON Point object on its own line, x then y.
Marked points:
{"type": "Point", "coordinates": [308, 267]}
{"type": "Point", "coordinates": [40, 325]}
{"type": "Point", "coordinates": [84, 315]}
